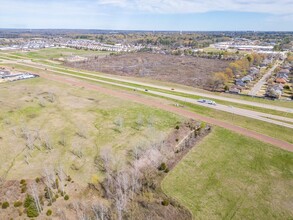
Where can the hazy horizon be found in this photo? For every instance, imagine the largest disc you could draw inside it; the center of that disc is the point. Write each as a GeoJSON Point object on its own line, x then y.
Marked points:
{"type": "Point", "coordinates": [153, 15]}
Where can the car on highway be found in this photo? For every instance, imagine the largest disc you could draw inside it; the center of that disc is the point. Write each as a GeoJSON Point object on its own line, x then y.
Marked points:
{"type": "Point", "coordinates": [206, 101]}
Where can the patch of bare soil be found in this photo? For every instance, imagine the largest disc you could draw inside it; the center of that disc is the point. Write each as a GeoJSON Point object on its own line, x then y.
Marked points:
{"type": "Point", "coordinates": [190, 71]}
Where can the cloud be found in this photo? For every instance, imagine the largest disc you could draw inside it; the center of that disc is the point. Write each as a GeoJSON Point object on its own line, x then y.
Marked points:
{"type": "Point", "coordinates": [200, 6]}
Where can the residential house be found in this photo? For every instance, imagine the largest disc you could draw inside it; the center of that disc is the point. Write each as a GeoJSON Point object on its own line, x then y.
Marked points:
{"type": "Point", "coordinates": [275, 91]}
{"type": "Point", "coordinates": [281, 80]}
{"type": "Point", "coordinates": [239, 82]}
{"type": "Point", "coordinates": [284, 71]}
{"type": "Point", "coordinates": [247, 78]}
{"type": "Point", "coordinates": [235, 89]}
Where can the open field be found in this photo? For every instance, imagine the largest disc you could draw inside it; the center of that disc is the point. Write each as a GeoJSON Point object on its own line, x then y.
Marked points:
{"type": "Point", "coordinates": [189, 71]}
{"type": "Point", "coordinates": [230, 176]}
{"type": "Point", "coordinates": [75, 122]}
{"type": "Point", "coordinates": [55, 53]}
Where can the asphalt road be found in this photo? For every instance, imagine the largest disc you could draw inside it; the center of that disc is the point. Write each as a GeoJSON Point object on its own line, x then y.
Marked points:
{"type": "Point", "coordinates": [262, 81]}
{"type": "Point", "coordinates": [206, 95]}
{"type": "Point", "coordinates": [273, 119]}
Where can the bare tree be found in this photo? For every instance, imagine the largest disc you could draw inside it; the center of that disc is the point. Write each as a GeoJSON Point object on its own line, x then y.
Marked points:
{"type": "Point", "coordinates": [62, 178]}
{"type": "Point", "coordinates": [139, 121]}
{"type": "Point", "coordinates": [47, 143]}
{"type": "Point", "coordinates": [51, 97]}
{"type": "Point", "coordinates": [62, 140]}
{"type": "Point", "coordinates": [119, 122]}
{"type": "Point", "coordinates": [121, 192]}
{"type": "Point", "coordinates": [81, 132]}
{"type": "Point", "coordinates": [107, 166]}
{"type": "Point", "coordinates": [80, 210]}
{"type": "Point", "coordinates": [77, 151]}
{"type": "Point", "coordinates": [100, 211]}
{"type": "Point", "coordinates": [49, 180]}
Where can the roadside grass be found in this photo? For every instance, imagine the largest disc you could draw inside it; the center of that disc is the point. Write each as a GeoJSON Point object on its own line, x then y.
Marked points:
{"type": "Point", "coordinates": [276, 131]}
{"type": "Point", "coordinates": [86, 120]}
{"type": "Point", "coordinates": [57, 51]}
{"type": "Point", "coordinates": [229, 176]}
{"type": "Point", "coordinates": [248, 107]}
{"type": "Point", "coordinates": [272, 130]}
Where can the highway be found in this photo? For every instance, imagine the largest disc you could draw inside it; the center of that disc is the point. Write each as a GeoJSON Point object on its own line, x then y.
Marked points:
{"type": "Point", "coordinates": [188, 92]}
{"type": "Point", "coordinates": [274, 119]}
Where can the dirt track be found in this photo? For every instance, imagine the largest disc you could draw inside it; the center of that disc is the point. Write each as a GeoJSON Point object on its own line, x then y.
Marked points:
{"type": "Point", "coordinates": [180, 111]}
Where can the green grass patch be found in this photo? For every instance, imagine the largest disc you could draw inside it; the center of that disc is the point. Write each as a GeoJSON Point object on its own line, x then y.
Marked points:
{"type": "Point", "coordinates": [53, 53]}
{"type": "Point", "coordinates": [229, 176]}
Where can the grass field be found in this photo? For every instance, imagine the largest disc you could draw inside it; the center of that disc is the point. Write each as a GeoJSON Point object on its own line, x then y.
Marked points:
{"type": "Point", "coordinates": [53, 53]}
{"type": "Point", "coordinates": [229, 176]}
{"type": "Point", "coordinates": [85, 120]}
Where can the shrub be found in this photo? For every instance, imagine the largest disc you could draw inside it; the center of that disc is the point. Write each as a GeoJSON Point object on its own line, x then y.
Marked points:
{"type": "Point", "coordinates": [286, 87]}
{"type": "Point", "coordinates": [49, 212]}
{"type": "Point", "coordinates": [165, 202]}
{"type": "Point", "coordinates": [176, 139]}
{"type": "Point", "coordinates": [166, 170]}
{"type": "Point", "coordinates": [48, 193]}
{"type": "Point", "coordinates": [31, 209]}
{"type": "Point", "coordinates": [5, 205]}
{"type": "Point", "coordinates": [22, 181]}
{"type": "Point", "coordinates": [38, 180]}
{"type": "Point", "coordinates": [66, 197]}
{"type": "Point", "coordinates": [28, 201]}
{"type": "Point", "coordinates": [177, 127]}
{"type": "Point", "coordinates": [17, 203]}
{"type": "Point", "coordinates": [163, 166]}
{"type": "Point", "coordinates": [23, 189]}
{"type": "Point", "coordinates": [203, 125]}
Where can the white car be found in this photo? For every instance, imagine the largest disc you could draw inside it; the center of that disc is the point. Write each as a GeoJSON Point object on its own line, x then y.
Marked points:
{"type": "Point", "coordinates": [210, 102]}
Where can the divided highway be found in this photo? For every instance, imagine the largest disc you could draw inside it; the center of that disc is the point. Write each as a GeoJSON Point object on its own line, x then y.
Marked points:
{"type": "Point", "coordinates": [179, 90]}
{"type": "Point", "coordinates": [274, 119]}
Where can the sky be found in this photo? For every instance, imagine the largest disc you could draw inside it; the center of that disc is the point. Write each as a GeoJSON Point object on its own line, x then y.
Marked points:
{"type": "Point", "coordinates": [177, 15]}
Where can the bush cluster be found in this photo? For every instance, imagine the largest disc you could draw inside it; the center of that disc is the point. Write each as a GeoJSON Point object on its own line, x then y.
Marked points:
{"type": "Point", "coordinates": [162, 167]}
{"type": "Point", "coordinates": [5, 205]}
{"type": "Point", "coordinates": [49, 212]}
{"type": "Point", "coordinates": [17, 203]}
{"type": "Point", "coordinates": [165, 202]}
